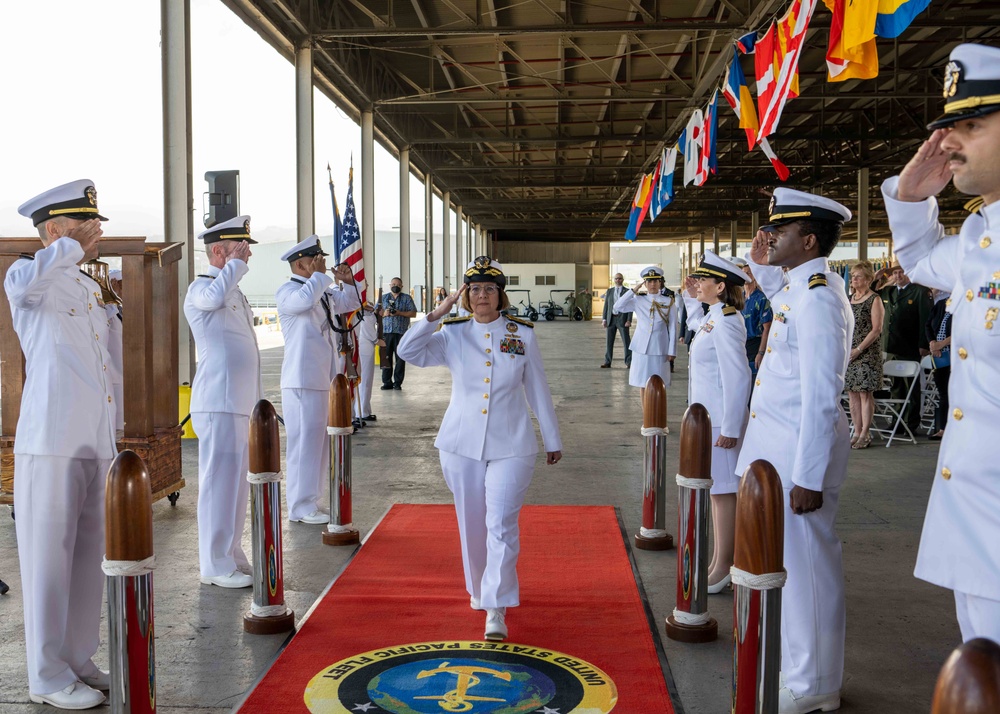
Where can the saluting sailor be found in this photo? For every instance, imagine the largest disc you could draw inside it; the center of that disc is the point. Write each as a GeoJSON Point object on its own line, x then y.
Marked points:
{"type": "Point", "coordinates": [958, 548]}
{"type": "Point", "coordinates": [798, 424]}
{"type": "Point", "coordinates": [226, 387]}
{"type": "Point", "coordinates": [654, 343]}
{"type": "Point", "coordinates": [719, 380]}
{"type": "Point", "coordinates": [307, 304]}
{"type": "Point", "coordinates": [487, 442]}
{"type": "Point", "coordinates": [64, 446]}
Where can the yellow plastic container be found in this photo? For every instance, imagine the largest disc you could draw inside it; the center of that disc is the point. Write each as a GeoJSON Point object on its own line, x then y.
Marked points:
{"type": "Point", "coordinates": [184, 410]}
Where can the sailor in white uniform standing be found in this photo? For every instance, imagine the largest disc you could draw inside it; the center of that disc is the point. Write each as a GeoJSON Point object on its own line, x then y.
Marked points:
{"type": "Point", "coordinates": [654, 343]}
{"type": "Point", "coordinates": [307, 305]}
{"type": "Point", "coordinates": [367, 336]}
{"type": "Point", "coordinates": [798, 424]}
{"type": "Point", "coordinates": [64, 446]}
{"type": "Point", "coordinates": [487, 442]}
{"type": "Point", "coordinates": [719, 380]}
{"type": "Point", "coordinates": [116, 369]}
{"type": "Point", "coordinates": [959, 546]}
{"type": "Point", "coordinates": [226, 387]}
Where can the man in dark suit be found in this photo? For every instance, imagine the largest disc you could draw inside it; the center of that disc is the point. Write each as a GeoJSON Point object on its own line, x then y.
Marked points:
{"type": "Point", "coordinates": [616, 323]}
{"type": "Point", "coordinates": [907, 308]}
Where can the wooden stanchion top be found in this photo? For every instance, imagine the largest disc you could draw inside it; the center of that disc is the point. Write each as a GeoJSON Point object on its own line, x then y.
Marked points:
{"type": "Point", "coordinates": [969, 682]}
{"type": "Point", "coordinates": [696, 443]}
{"type": "Point", "coordinates": [128, 509]}
{"type": "Point", "coordinates": [265, 443]}
{"type": "Point", "coordinates": [760, 521]}
{"type": "Point", "coordinates": [340, 403]}
{"type": "Point", "coordinates": [654, 404]}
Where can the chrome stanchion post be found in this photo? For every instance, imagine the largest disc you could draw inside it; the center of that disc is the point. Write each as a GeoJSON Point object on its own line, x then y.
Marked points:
{"type": "Point", "coordinates": [268, 614]}
{"type": "Point", "coordinates": [339, 427]}
{"type": "Point", "coordinates": [653, 534]}
{"type": "Point", "coordinates": [690, 621]}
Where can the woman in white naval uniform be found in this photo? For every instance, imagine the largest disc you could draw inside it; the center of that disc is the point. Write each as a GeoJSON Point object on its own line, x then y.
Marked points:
{"type": "Point", "coordinates": [226, 387]}
{"type": "Point", "coordinates": [367, 337]}
{"type": "Point", "coordinates": [64, 444]}
{"type": "Point", "coordinates": [654, 343]}
{"type": "Point", "coordinates": [306, 308]}
{"type": "Point", "coordinates": [487, 442]}
{"type": "Point", "coordinates": [719, 380]}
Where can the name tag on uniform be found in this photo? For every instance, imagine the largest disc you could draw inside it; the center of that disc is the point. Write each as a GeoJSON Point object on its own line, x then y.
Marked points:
{"type": "Point", "coordinates": [512, 345]}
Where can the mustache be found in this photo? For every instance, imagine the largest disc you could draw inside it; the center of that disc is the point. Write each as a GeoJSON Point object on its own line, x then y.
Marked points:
{"type": "Point", "coordinates": [958, 157]}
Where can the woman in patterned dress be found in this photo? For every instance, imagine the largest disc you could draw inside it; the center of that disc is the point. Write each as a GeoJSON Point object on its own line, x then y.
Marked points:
{"type": "Point", "coordinates": [864, 372]}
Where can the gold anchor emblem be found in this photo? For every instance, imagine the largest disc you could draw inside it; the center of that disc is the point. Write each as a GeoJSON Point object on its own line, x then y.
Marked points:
{"type": "Point", "coordinates": [458, 699]}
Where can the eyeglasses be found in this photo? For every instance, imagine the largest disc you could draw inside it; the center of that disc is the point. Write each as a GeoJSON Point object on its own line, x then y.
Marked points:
{"type": "Point", "coordinates": [484, 289]}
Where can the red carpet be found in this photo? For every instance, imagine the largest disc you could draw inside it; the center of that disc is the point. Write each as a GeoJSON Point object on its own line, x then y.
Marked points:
{"type": "Point", "coordinates": [394, 633]}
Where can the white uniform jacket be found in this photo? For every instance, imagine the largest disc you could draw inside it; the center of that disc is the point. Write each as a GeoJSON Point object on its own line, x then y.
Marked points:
{"type": "Point", "coordinates": [796, 421]}
{"type": "Point", "coordinates": [311, 346]}
{"type": "Point", "coordinates": [653, 335]}
{"type": "Point", "coordinates": [494, 366]}
{"type": "Point", "coordinates": [116, 369]}
{"type": "Point", "coordinates": [959, 546]}
{"type": "Point", "coordinates": [67, 407]}
{"type": "Point", "coordinates": [367, 333]}
{"type": "Point", "coordinates": [719, 372]}
{"type": "Point", "coordinates": [228, 375]}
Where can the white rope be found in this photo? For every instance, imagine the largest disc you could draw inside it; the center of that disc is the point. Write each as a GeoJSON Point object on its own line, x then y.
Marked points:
{"type": "Point", "coordinates": [690, 618]}
{"type": "Point", "coordinates": [655, 431]}
{"type": "Point", "coordinates": [652, 533]}
{"type": "Point", "coordinates": [267, 610]}
{"type": "Point", "coordinates": [767, 581]}
{"type": "Point", "coordinates": [128, 568]}
{"type": "Point", "coordinates": [695, 483]}
{"type": "Point", "coordinates": [264, 477]}
{"type": "Point", "coordinates": [340, 430]}
{"type": "Point", "coordinates": [334, 528]}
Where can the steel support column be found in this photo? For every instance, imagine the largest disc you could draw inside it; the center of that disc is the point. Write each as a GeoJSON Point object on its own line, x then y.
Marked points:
{"type": "Point", "coordinates": [428, 241]}
{"type": "Point", "coordinates": [368, 194]}
{"type": "Point", "coordinates": [734, 235]}
{"type": "Point", "coordinates": [178, 194]}
{"type": "Point", "coordinates": [460, 253]}
{"type": "Point", "coordinates": [404, 218]}
{"type": "Point", "coordinates": [715, 239]}
{"type": "Point", "coordinates": [863, 213]}
{"type": "Point", "coordinates": [446, 240]}
{"type": "Point", "coordinates": [305, 191]}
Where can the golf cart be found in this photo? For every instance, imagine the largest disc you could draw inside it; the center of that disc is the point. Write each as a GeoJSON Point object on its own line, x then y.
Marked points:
{"type": "Point", "coordinates": [553, 309]}
{"type": "Point", "coordinates": [518, 308]}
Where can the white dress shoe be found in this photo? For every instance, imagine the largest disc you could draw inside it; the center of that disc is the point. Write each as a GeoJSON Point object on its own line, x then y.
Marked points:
{"type": "Point", "coordinates": [791, 703]}
{"type": "Point", "coordinates": [496, 628]}
{"type": "Point", "coordinates": [98, 680]}
{"type": "Point", "coordinates": [721, 585]}
{"type": "Point", "coordinates": [475, 604]}
{"type": "Point", "coordinates": [76, 696]}
{"type": "Point", "coordinates": [235, 579]}
{"type": "Point", "coordinates": [314, 518]}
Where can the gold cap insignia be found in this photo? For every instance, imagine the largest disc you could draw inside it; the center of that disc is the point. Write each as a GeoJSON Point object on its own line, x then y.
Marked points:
{"type": "Point", "coordinates": [246, 227]}
{"type": "Point", "coordinates": [483, 262]}
{"type": "Point", "coordinates": [91, 194]}
{"type": "Point", "coordinates": [771, 205]}
{"type": "Point", "coordinates": [952, 76]}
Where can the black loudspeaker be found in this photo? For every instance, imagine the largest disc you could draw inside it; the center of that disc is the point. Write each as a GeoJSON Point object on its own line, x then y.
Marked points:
{"type": "Point", "coordinates": [222, 200]}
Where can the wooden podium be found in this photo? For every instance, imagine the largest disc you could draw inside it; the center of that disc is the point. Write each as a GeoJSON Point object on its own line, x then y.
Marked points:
{"type": "Point", "coordinates": [150, 343]}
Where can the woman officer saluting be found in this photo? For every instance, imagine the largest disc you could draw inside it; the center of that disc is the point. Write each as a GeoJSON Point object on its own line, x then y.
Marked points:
{"type": "Point", "coordinates": [486, 441]}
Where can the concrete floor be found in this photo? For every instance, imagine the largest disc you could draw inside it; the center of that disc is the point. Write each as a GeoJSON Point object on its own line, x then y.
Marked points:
{"type": "Point", "coordinates": [900, 630]}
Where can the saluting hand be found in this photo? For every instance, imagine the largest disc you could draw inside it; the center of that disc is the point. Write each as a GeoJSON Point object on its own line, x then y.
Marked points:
{"type": "Point", "coordinates": [240, 252]}
{"type": "Point", "coordinates": [87, 234]}
{"type": "Point", "coordinates": [445, 307]}
{"type": "Point", "coordinates": [927, 173]}
{"type": "Point", "coordinates": [691, 285]}
{"type": "Point", "coordinates": [758, 248]}
{"type": "Point", "coordinates": [552, 457]}
{"type": "Point", "coordinates": [319, 264]}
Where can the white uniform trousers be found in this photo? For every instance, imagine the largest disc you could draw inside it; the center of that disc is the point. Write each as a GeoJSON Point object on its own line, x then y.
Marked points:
{"type": "Point", "coordinates": [813, 617]}
{"type": "Point", "coordinates": [307, 448]}
{"type": "Point", "coordinates": [978, 617]}
{"type": "Point", "coordinates": [59, 503]}
{"type": "Point", "coordinates": [223, 490]}
{"type": "Point", "coordinates": [366, 364]}
{"type": "Point", "coordinates": [488, 500]}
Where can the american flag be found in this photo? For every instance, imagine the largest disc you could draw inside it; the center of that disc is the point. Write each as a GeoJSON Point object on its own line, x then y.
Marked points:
{"type": "Point", "coordinates": [347, 242]}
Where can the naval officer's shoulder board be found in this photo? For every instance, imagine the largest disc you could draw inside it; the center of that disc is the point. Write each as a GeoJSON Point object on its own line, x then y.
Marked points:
{"type": "Point", "coordinates": [27, 256]}
{"type": "Point", "coordinates": [816, 280]}
{"type": "Point", "coordinates": [729, 311]}
{"type": "Point", "coordinates": [521, 321]}
{"type": "Point", "coordinates": [455, 320]}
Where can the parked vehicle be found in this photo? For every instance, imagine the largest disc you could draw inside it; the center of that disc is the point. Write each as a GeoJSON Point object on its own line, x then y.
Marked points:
{"type": "Point", "coordinates": [553, 308]}
{"type": "Point", "coordinates": [518, 306]}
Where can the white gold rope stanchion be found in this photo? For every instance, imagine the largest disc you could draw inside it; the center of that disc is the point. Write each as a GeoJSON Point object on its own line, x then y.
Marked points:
{"type": "Point", "coordinates": [340, 530]}
{"type": "Point", "coordinates": [128, 564]}
{"type": "Point", "coordinates": [690, 621]}
{"type": "Point", "coordinates": [653, 534]}
{"type": "Point", "coordinates": [268, 614]}
{"type": "Point", "coordinates": [758, 575]}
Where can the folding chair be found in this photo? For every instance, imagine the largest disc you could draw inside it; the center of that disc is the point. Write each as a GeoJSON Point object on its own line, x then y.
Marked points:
{"type": "Point", "coordinates": [929, 397]}
{"type": "Point", "coordinates": [892, 410]}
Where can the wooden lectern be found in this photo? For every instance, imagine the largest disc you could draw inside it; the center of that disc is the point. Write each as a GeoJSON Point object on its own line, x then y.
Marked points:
{"type": "Point", "coordinates": [150, 343]}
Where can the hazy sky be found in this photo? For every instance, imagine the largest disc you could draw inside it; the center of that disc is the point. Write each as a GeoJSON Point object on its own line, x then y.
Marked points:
{"type": "Point", "coordinates": [80, 87]}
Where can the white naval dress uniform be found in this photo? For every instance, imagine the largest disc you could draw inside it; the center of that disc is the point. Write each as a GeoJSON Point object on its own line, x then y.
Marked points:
{"type": "Point", "coordinates": [719, 379]}
{"type": "Point", "coordinates": [654, 339]}
{"type": "Point", "coordinates": [486, 441]}
{"type": "Point", "coordinates": [116, 368]}
{"type": "Point", "coordinates": [797, 424]}
{"type": "Point", "coordinates": [310, 363]}
{"type": "Point", "coordinates": [64, 446]}
{"type": "Point", "coordinates": [367, 336]}
{"type": "Point", "coordinates": [959, 545]}
{"type": "Point", "coordinates": [226, 387]}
